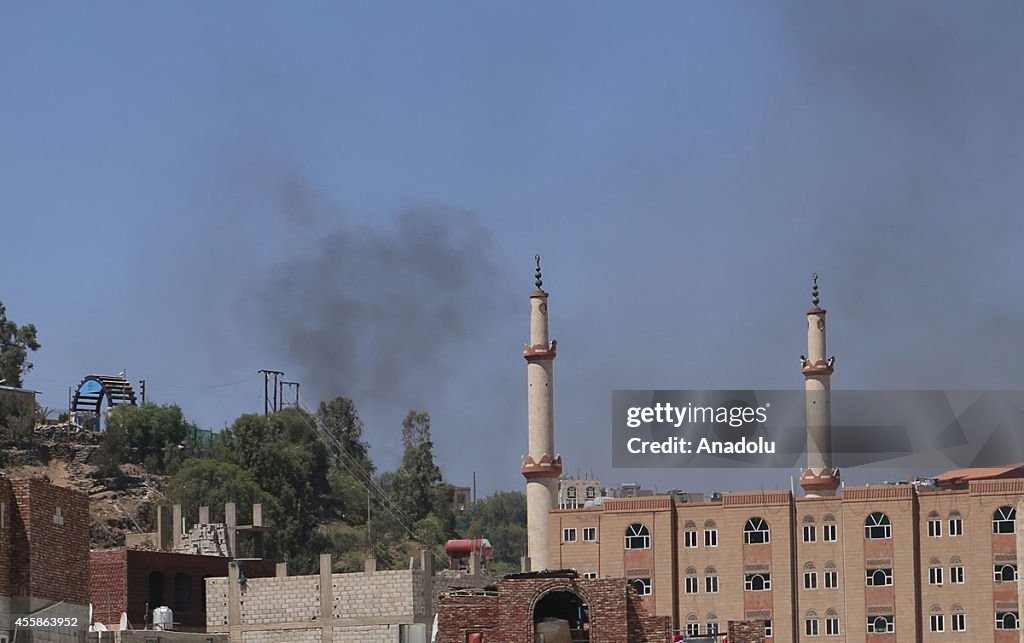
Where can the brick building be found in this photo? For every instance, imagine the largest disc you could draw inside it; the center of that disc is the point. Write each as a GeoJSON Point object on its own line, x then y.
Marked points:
{"type": "Point", "coordinates": [136, 581]}
{"type": "Point", "coordinates": [601, 610]}
{"type": "Point", "coordinates": [924, 563]}
{"type": "Point", "coordinates": [44, 553]}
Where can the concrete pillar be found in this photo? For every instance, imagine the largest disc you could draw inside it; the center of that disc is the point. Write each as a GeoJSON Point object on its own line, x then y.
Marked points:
{"type": "Point", "coordinates": [177, 526]}
{"type": "Point", "coordinates": [474, 563]}
{"type": "Point", "coordinates": [326, 600]}
{"type": "Point", "coordinates": [204, 515]}
{"type": "Point", "coordinates": [541, 467]}
{"type": "Point", "coordinates": [230, 526]}
{"type": "Point", "coordinates": [234, 603]}
{"type": "Point", "coordinates": [164, 528]}
{"type": "Point", "coordinates": [370, 564]}
{"type": "Point", "coordinates": [257, 515]}
{"type": "Point", "coordinates": [281, 570]}
{"type": "Point", "coordinates": [427, 565]}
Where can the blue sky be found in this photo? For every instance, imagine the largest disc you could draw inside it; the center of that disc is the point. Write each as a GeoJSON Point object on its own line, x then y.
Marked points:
{"type": "Point", "coordinates": [353, 194]}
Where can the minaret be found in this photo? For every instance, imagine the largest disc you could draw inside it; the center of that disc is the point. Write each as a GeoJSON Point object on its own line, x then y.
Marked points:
{"type": "Point", "coordinates": [541, 467]}
{"type": "Point", "coordinates": [819, 478]}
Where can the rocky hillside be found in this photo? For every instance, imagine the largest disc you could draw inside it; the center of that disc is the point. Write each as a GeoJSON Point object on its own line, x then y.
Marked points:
{"type": "Point", "coordinates": [125, 505]}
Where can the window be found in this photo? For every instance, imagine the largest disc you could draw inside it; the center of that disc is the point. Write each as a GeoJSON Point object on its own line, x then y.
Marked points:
{"type": "Point", "coordinates": [1005, 573]}
{"type": "Point", "coordinates": [934, 575]}
{"type": "Point", "coordinates": [810, 534]}
{"type": "Point", "coordinates": [569, 535]}
{"type": "Point", "coordinates": [810, 627]}
{"type": "Point", "coordinates": [182, 593]}
{"type": "Point", "coordinates": [591, 493]}
{"type": "Point", "coordinates": [938, 623]}
{"type": "Point", "coordinates": [880, 624]}
{"type": "Point", "coordinates": [830, 535]}
{"type": "Point", "coordinates": [589, 534]}
{"type": "Point", "coordinates": [691, 585]}
{"type": "Point", "coordinates": [156, 588]}
{"type": "Point", "coordinates": [831, 579]}
{"type": "Point", "coordinates": [689, 538]}
{"type": "Point", "coordinates": [757, 582]}
{"type": "Point", "coordinates": [712, 627]}
{"type": "Point", "coordinates": [1007, 621]}
{"type": "Point", "coordinates": [956, 526]}
{"type": "Point", "coordinates": [711, 584]}
{"type": "Point", "coordinates": [711, 538]}
{"type": "Point", "coordinates": [768, 629]}
{"type": "Point", "coordinates": [570, 493]}
{"type": "Point", "coordinates": [590, 575]}
{"type": "Point", "coordinates": [810, 580]}
{"type": "Point", "coordinates": [832, 626]}
{"type": "Point", "coordinates": [638, 536]}
{"type": "Point", "coordinates": [692, 629]}
{"type": "Point", "coordinates": [1004, 521]}
{"type": "Point", "coordinates": [877, 526]}
{"type": "Point", "coordinates": [956, 574]}
{"type": "Point", "coordinates": [959, 622]}
{"type": "Point", "coordinates": [935, 531]}
{"type": "Point", "coordinates": [879, 577]}
{"type": "Point", "coordinates": [755, 532]}
{"type": "Point", "coordinates": [642, 586]}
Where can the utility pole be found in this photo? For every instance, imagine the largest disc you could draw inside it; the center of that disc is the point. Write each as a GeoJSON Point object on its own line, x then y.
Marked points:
{"type": "Point", "coordinates": [295, 387]}
{"type": "Point", "coordinates": [267, 373]}
{"type": "Point", "coordinates": [142, 389]}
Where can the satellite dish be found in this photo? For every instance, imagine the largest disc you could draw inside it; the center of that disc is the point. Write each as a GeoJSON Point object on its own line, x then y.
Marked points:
{"type": "Point", "coordinates": [124, 621]}
{"type": "Point", "coordinates": [99, 627]}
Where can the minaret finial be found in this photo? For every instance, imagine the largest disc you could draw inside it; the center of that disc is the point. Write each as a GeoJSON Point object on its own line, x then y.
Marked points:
{"type": "Point", "coordinates": [538, 280]}
{"type": "Point", "coordinates": [814, 291]}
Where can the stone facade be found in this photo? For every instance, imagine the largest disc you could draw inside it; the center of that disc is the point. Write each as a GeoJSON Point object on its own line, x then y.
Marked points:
{"type": "Point", "coordinates": [939, 549]}
{"type": "Point", "coordinates": [506, 614]}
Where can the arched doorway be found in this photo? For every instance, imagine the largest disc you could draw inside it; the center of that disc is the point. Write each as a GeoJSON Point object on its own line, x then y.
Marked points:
{"type": "Point", "coordinates": [560, 614]}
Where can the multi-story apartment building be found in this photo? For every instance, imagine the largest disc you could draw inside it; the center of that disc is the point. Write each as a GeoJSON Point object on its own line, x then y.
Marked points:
{"type": "Point", "coordinates": [882, 562]}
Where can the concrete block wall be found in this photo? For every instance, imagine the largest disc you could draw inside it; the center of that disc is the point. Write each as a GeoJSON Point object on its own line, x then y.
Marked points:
{"type": "Point", "coordinates": [378, 595]}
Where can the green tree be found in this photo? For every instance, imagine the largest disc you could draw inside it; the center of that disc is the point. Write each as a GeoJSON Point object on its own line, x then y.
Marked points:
{"type": "Point", "coordinates": [158, 436]}
{"type": "Point", "coordinates": [342, 421]}
{"type": "Point", "coordinates": [15, 343]}
{"type": "Point", "coordinates": [414, 485]}
{"type": "Point", "coordinates": [501, 519]}
{"type": "Point", "coordinates": [208, 482]}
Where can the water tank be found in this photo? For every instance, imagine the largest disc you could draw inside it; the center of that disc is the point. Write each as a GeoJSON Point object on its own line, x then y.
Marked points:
{"type": "Point", "coordinates": [464, 547]}
{"type": "Point", "coordinates": [163, 618]}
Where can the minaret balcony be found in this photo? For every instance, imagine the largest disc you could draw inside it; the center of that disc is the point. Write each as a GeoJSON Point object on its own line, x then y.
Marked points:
{"type": "Point", "coordinates": [540, 352]}
{"type": "Point", "coordinates": [818, 368]}
{"type": "Point", "coordinates": [546, 468]}
{"type": "Point", "coordinates": [823, 480]}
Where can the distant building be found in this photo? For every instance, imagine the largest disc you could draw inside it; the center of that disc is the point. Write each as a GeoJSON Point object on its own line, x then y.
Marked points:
{"type": "Point", "coordinates": [573, 493]}
{"type": "Point", "coordinates": [44, 555]}
{"type": "Point", "coordinates": [462, 499]}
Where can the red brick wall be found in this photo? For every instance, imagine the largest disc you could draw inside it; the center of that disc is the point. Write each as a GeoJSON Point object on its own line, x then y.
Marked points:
{"type": "Point", "coordinates": [617, 615]}
{"type": "Point", "coordinates": [108, 585]}
{"type": "Point", "coordinates": [746, 631]}
{"type": "Point", "coordinates": [48, 560]}
{"type": "Point", "coordinates": [125, 577]}
{"type": "Point", "coordinates": [6, 531]}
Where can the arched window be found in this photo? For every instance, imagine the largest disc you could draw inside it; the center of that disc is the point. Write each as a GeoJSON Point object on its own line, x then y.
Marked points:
{"type": "Point", "coordinates": [1004, 520]}
{"type": "Point", "coordinates": [156, 589]}
{"type": "Point", "coordinates": [755, 532]}
{"type": "Point", "coordinates": [638, 536]}
{"type": "Point", "coordinates": [1007, 620]}
{"type": "Point", "coordinates": [182, 593]}
{"type": "Point", "coordinates": [757, 582]}
{"type": "Point", "coordinates": [877, 526]}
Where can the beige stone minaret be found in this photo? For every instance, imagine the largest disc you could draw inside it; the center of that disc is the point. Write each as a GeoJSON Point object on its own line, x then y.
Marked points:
{"type": "Point", "coordinates": [819, 478]}
{"type": "Point", "coordinates": [541, 467]}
